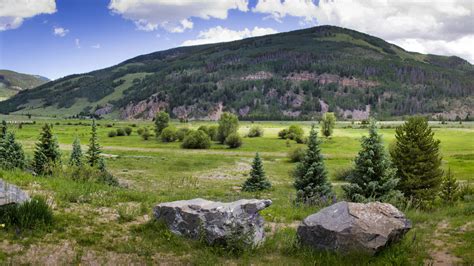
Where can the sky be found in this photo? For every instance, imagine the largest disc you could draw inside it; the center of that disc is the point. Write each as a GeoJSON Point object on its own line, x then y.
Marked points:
{"type": "Point", "coordinates": [55, 38]}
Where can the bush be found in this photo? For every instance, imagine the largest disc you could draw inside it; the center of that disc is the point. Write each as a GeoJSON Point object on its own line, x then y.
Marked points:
{"type": "Point", "coordinates": [297, 154]}
{"type": "Point", "coordinates": [140, 131]}
{"type": "Point", "coordinates": [282, 134]}
{"type": "Point", "coordinates": [343, 174]}
{"type": "Point", "coordinates": [255, 131]}
{"type": "Point", "coordinates": [120, 132]}
{"type": "Point", "coordinates": [196, 139]}
{"type": "Point", "coordinates": [109, 125]}
{"type": "Point", "coordinates": [112, 134]}
{"type": "Point", "coordinates": [449, 192]}
{"type": "Point", "coordinates": [146, 134]}
{"type": "Point", "coordinates": [128, 131]}
{"type": "Point", "coordinates": [233, 141]}
{"type": "Point", "coordinates": [28, 215]}
{"type": "Point", "coordinates": [294, 132]}
{"type": "Point", "coordinates": [181, 133]}
{"type": "Point", "coordinates": [212, 131]}
{"type": "Point", "coordinates": [89, 174]}
{"type": "Point", "coordinates": [168, 134]}
{"type": "Point", "coordinates": [228, 124]}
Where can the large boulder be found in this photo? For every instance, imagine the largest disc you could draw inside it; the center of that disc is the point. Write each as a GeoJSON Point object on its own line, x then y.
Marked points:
{"type": "Point", "coordinates": [354, 227]}
{"type": "Point", "coordinates": [11, 194]}
{"type": "Point", "coordinates": [216, 222]}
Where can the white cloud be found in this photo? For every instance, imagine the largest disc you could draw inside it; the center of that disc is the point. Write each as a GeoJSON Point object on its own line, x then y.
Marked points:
{"type": "Point", "coordinates": [173, 15]}
{"type": "Point", "coordinates": [59, 31]}
{"type": "Point", "coordinates": [438, 27]}
{"type": "Point", "coordinates": [77, 42]}
{"type": "Point", "coordinates": [96, 46]}
{"type": "Point", "coordinates": [220, 34]}
{"type": "Point", "coordinates": [14, 12]}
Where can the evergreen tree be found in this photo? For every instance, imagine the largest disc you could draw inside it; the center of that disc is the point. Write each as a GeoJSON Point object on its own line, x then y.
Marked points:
{"type": "Point", "coordinates": [257, 180]}
{"type": "Point", "coordinates": [3, 129]}
{"type": "Point", "coordinates": [373, 178]}
{"type": "Point", "coordinates": [449, 188]}
{"type": "Point", "coordinates": [76, 155]}
{"type": "Point", "coordinates": [93, 154]}
{"type": "Point", "coordinates": [47, 154]}
{"type": "Point", "coordinates": [11, 153]}
{"type": "Point", "coordinates": [162, 121]}
{"type": "Point", "coordinates": [417, 159]}
{"type": "Point", "coordinates": [328, 122]}
{"type": "Point", "coordinates": [310, 174]}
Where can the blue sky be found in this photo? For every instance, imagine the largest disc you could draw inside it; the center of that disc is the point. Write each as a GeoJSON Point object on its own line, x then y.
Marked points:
{"type": "Point", "coordinates": [55, 38]}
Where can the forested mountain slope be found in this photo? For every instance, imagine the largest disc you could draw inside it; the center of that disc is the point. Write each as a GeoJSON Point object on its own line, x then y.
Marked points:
{"type": "Point", "coordinates": [297, 74]}
{"type": "Point", "coordinates": [12, 82]}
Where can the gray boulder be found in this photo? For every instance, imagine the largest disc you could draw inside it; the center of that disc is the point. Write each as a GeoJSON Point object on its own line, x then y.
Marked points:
{"type": "Point", "coordinates": [11, 194]}
{"type": "Point", "coordinates": [354, 227]}
{"type": "Point", "coordinates": [216, 222]}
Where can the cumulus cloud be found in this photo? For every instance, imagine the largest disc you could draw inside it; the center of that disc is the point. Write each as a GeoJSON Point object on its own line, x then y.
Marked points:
{"type": "Point", "coordinates": [220, 34]}
{"type": "Point", "coordinates": [59, 31]}
{"type": "Point", "coordinates": [173, 15]}
{"type": "Point", "coordinates": [439, 27]}
{"type": "Point", "coordinates": [14, 12]}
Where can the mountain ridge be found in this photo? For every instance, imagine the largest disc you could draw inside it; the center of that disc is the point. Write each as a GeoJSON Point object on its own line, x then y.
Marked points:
{"type": "Point", "coordinates": [12, 82]}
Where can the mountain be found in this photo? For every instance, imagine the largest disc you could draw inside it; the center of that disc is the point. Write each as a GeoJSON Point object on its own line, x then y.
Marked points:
{"type": "Point", "coordinates": [12, 82]}
{"type": "Point", "coordinates": [292, 75]}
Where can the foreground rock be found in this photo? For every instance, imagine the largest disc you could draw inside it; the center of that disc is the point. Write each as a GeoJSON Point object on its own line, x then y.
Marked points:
{"type": "Point", "coordinates": [11, 194]}
{"type": "Point", "coordinates": [217, 222]}
{"type": "Point", "coordinates": [354, 227]}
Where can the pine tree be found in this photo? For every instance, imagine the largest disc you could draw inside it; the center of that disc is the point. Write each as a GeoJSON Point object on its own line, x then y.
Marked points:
{"type": "Point", "coordinates": [76, 155]}
{"type": "Point", "coordinates": [11, 153]}
{"type": "Point", "coordinates": [449, 188]}
{"type": "Point", "coordinates": [257, 180]}
{"type": "Point", "coordinates": [93, 154]}
{"type": "Point", "coordinates": [3, 129]}
{"type": "Point", "coordinates": [373, 178]}
{"type": "Point", "coordinates": [417, 159]}
{"type": "Point", "coordinates": [310, 174]}
{"type": "Point", "coordinates": [47, 155]}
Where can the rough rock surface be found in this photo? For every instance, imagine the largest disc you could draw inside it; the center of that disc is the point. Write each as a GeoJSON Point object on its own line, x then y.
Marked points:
{"type": "Point", "coordinates": [354, 227]}
{"type": "Point", "coordinates": [217, 222]}
{"type": "Point", "coordinates": [11, 194]}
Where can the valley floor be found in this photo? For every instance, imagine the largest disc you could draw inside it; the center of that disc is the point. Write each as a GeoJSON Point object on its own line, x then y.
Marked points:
{"type": "Point", "coordinates": [98, 224]}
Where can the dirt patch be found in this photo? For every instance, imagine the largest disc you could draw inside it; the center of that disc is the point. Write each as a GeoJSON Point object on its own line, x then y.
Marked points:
{"type": "Point", "coordinates": [47, 254]}
{"type": "Point", "coordinates": [236, 172]}
{"type": "Point", "coordinates": [440, 254]}
{"type": "Point", "coordinates": [9, 248]}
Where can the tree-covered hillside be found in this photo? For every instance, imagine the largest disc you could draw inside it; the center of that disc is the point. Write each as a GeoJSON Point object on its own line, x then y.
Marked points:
{"type": "Point", "coordinates": [297, 74]}
{"type": "Point", "coordinates": [12, 82]}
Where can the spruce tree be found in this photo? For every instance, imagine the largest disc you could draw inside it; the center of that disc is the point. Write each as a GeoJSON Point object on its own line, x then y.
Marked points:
{"type": "Point", "coordinates": [449, 188]}
{"type": "Point", "coordinates": [76, 155]}
{"type": "Point", "coordinates": [373, 178]}
{"type": "Point", "coordinates": [257, 180]}
{"type": "Point", "coordinates": [93, 154]}
{"type": "Point", "coordinates": [47, 154]}
{"type": "Point", "coordinates": [417, 159]}
{"type": "Point", "coordinates": [310, 174]}
{"type": "Point", "coordinates": [11, 153]}
{"type": "Point", "coordinates": [3, 129]}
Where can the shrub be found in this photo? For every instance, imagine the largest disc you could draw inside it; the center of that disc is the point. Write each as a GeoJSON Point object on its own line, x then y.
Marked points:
{"type": "Point", "coordinates": [294, 132]}
{"type": "Point", "coordinates": [228, 124]}
{"type": "Point", "coordinates": [297, 154]}
{"type": "Point", "coordinates": [234, 140]}
{"type": "Point", "coordinates": [162, 120]}
{"type": "Point", "coordinates": [128, 131]}
{"type": "Point", "coordinates": [328, 122]}
{"type": "Point", "coordinates": [204, 128]}
{"type": "Point", "coordinates": [196, 139]}
{"type": "Point", "coordinates": [449, 192]}
{"type": "Point", "coordinates": [90, 174]}
{"type": "Point", "coordinates": [168, 134]}
{"type": "Point", "coordinates": [120, 132]}
{"type": "Point", "coordinates": [28, 215]}
{"type": "Point", "coordinates": [283, 133]}
{"type": "Point", "coordinates": [181, 133]}
{"type": "Point", "coordinates": [109, 125]}
{"type": "Point", "coordinates": [255, 131]}
{"type": "Point", "coordinates": [146, 134]}
{"type": "Point", "coordinates": [343, 174]}
{"type": "Point", "coordinates": [140, 131]}
{"type": "Point", "coordinates": [212, 131]}
{"type": "Point", "coordinates": [112, 134]}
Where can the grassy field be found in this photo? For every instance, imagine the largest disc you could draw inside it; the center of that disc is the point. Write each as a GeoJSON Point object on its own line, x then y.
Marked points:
{"type": "Point", "coordinates": [95, 223]}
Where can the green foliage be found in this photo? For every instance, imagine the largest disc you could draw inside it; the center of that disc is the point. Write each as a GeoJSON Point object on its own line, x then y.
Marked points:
{"type": "Point", "coordinates": [234, 141]}
{"type": "Point", "coordinates": [312, 186]}
{"type": "Point", "coordinates": [47, 155]}
{"type": "Point", "coordinates": [257, 180]}
{"type": "Point", "coordinates": [112, 133]}
{"type": "Point", "coordinates": [416, 156]}
{"type": "Point", "coordinates": [328, 121]}
{"type": "Point", "coordinates": [344, 174]}
{"type": "Point", "coordinates": [146, 134]}
{"type": "Point", "coordinates": [128, 130]}
{"type": "Point", "coordinates": [373, 178]}
{"type": "Point", "coordinates": [196, 139]}
{"type": "Point", "coordinates": [255, 131]}
{"type": "Point", "coordinates": [162, 121]}
{"type": "Point", "coordinates": [228, 124]}
{"type": "Point", "coordinates": [449, 191]}
{"type": "Point", "coordinates": [11, 152]}
{"type": "Point", "coordinates": [212, 131]}
{"type": "Point", "coordinates": [76, 158]}
{"type": "Point", "coordinates": [169, 134]}
{"type": "Point", "coordinates": [297, 154]}
{"type": "Point", "coordinates": [94, 151]}
{"type": "Point", "coordinates": [181, 133]}
{"type": "Point", "coordinates": [120, 132]}
{"type": "Point", "coordinates": [294, 132]}
{"type": "Point", "coordinates": [140, 131]}
{"type": "Point", "coordinates": [28, 215]}
{"type": "Point", "coordinates": [3, 129]}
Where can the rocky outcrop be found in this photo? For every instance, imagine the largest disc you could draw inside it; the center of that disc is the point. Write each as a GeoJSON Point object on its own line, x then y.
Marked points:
{"type": "Point", "coordinates": [324, 79]}
{"type": "Point", "coordinates": [145, 109]}
{"type": "Point", "coordinates": [11, 194]}
{"type": "Point", "coordinates": [258, 76]}
{"type": "Point", "coordinates": [354, 227]}
{"type": "Point", "coordinates": [355, 114]}
{"type": "Point", "coordinates": [107, 109]}
{"type": "Point", "coordinates": [216, 222]}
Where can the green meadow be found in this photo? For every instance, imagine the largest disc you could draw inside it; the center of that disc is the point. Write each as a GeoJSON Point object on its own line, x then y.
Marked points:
{"type": "Point", "coordinates": [96, 223]}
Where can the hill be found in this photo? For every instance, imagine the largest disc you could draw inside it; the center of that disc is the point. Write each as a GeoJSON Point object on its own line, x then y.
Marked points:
{"type": "Point", "coordinates": [292, 75]}
{"type": "Point", "coordinates": [12, 82]}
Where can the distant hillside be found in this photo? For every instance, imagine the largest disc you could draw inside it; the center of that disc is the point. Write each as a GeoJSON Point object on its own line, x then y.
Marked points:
{"type": "Point", "coordinates": [12, 82]}
{"type": "Point", "coordinates": [297, 74]}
